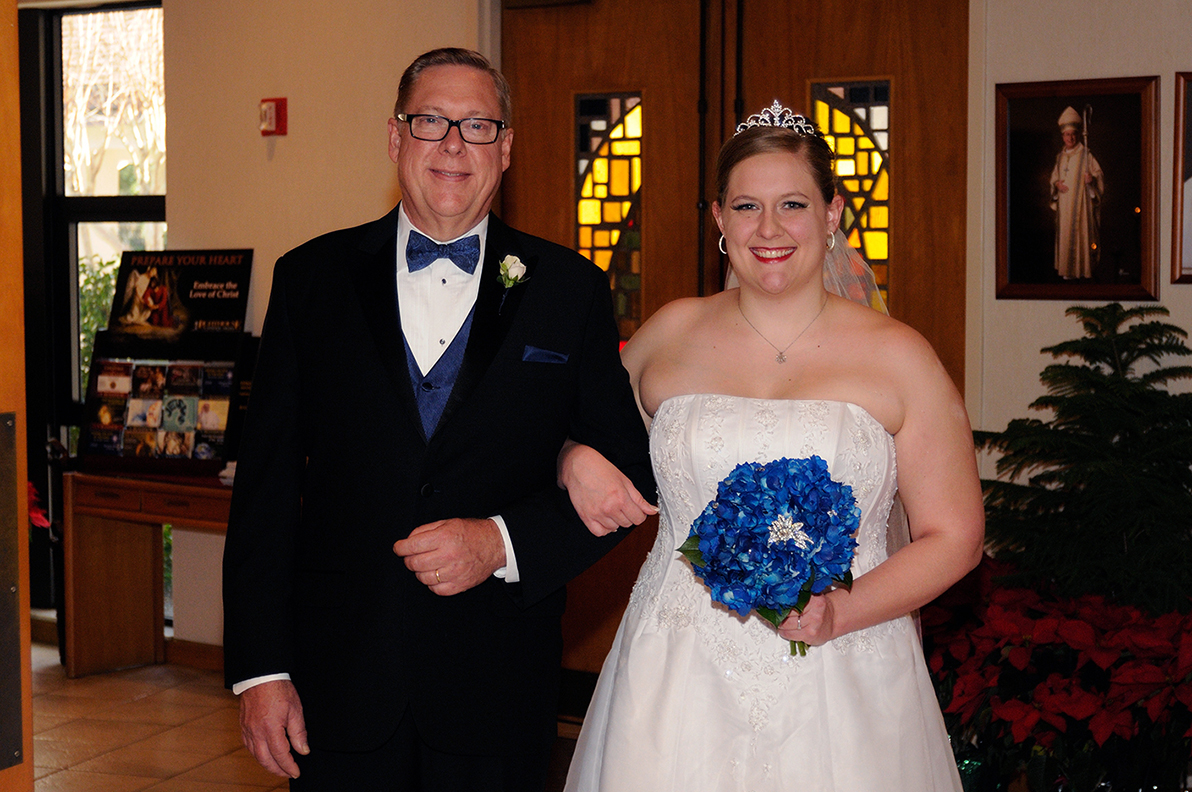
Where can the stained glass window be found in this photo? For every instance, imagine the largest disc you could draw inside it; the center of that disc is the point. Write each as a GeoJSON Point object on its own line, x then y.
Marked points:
{"type": "Point", "coordinates": [855, 118]}
{"type": "Point", "coordinates": [608, 157]}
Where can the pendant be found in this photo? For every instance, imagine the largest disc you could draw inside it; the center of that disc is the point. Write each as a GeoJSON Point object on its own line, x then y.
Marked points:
{"type": "Point", "coordinates": [780, 358]}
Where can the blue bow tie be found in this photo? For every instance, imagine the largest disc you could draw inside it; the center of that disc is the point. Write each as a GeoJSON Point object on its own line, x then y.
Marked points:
{"type": "Point", "coordinates": [421, 251]}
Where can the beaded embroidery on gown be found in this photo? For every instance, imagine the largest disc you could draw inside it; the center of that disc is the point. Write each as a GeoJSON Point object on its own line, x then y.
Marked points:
{"type": "Point", "coordinates": [694, 698]}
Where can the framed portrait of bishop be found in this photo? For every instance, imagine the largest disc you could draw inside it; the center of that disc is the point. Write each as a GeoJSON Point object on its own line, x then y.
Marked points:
{"type": "Point", "coordinates": [1077, 194]}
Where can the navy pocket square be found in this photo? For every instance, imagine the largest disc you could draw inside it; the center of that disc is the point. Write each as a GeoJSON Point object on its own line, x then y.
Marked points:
{"type": "Point", "coordinates": [533, 354]}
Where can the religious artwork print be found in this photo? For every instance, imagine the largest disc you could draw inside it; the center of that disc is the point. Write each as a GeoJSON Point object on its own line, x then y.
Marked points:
{"type": "Point", "coordinates": [160, 295]}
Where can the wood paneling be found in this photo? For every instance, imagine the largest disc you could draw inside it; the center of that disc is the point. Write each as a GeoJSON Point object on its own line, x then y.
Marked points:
{"type": "Point", "coordinates": [12, 363]}
{"type": "Point", "coordinates": [113, 595]}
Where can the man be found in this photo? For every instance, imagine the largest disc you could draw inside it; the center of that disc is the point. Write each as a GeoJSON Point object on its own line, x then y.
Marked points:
{"type": "Point", "coordinates": [1077, 185]}
{"type": "Point", "coordinates": [397, 548]}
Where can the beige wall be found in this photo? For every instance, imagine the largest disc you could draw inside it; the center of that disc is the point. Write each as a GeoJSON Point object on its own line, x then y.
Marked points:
{"type": "Point", "coordinates": [338, 65]}
{"type": "Point", "coordinates": [1026, 41]}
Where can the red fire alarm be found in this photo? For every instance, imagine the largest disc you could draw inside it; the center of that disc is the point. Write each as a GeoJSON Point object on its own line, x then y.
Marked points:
{"type": "Point", "coordinates": [273, 116]}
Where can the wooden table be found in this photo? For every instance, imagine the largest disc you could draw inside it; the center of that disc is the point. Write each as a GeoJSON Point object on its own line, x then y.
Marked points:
{"type": "Point", "coordinates": [112, 542]}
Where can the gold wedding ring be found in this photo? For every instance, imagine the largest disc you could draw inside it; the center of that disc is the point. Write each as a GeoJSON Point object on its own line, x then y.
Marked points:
{"type": "Point", "coordinates": [439, 579]}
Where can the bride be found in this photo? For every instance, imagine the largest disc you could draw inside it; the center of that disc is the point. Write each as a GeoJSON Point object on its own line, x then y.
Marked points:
{"type": "Point", "coordinates": [693, 696]}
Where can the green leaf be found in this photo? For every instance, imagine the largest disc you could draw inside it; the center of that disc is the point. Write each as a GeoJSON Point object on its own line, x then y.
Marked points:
{"type": "Point", "coordinates": [690, 550]}
{"type": "Point", "coordinates": [775, 617]}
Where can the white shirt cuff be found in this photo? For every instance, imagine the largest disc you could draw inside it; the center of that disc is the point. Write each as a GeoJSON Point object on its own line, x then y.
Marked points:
{"type": "Point", "coordinates": [508, 573]}
{"type": "Point", "coordinates": [240, 687]}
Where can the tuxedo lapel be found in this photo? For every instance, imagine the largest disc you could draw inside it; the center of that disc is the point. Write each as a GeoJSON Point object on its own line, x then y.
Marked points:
{"type": "Point", "coordinates": [496, 307]}
{"type": "Point", "coordinates": [376, 287]}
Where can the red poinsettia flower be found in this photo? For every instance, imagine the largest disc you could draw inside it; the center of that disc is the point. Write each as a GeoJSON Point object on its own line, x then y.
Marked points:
{"type": "Point", "coordinates": [1183, 693]}
{"type": "Point", "coordinates": [1143, 640]}
{"type": "Point", "coordinates": [1183, 663]}
{"type": "Point", "coordinates": [1081, 636]}
{"type": "Point", "coordinates": [1138, 681]}
{"type": "Point", "coordinates": [1011, 629]}
{"type": "Point", "coordinates": [933, 616]}
{"type": "Point", "coordinates": [1094, 610]}
{"type": "Point", "coordinates": [970, 691]}
{"type": "Point", "coordinates": [1064, 696]}
{"type": "Point", "coordinates": [1024, 717]}
{"type": "Point", "coordinates": [1112, 721]}
{"type": "Point", "coordinates": [1148, 660]}
{"type": "Point", "coordinates": [37, 515]}
{"type": "Point", "coordinates": [956, 644]}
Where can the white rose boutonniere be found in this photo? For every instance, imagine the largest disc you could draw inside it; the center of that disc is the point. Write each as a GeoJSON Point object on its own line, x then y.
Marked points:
{"type": "Point", "coordinates": [513, 271]}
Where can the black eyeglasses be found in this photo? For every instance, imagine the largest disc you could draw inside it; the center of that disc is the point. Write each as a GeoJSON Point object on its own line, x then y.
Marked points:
{"type": "Point", "coordinates": [480, 131]}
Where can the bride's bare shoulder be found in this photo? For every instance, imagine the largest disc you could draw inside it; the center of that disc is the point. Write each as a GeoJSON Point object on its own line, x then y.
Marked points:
{"type": "Point", "coordinates": [690, 309]}
{"type": "Point", "coordinates": [670, 331]}
{"type": "Point", "coordinates": [678, 318]}
{"type": "Point", "coordinates": [886, 344]}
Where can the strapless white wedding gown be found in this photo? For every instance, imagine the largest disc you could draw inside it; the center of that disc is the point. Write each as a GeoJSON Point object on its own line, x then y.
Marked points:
{"type": "Point", "coordinates": [694, 698]}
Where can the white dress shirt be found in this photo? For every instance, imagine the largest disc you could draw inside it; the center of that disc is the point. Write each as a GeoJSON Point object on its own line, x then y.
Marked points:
{"type": "Point", "coordinates": [435, 300]}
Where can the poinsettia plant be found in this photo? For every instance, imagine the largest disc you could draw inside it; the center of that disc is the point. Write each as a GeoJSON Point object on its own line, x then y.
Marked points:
{"type": "Point", "coordinates": [1075, 691]}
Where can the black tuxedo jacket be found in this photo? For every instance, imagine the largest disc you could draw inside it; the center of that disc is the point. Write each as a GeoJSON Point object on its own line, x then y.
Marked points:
{"type": "Point", "coordinates": [334, 468]}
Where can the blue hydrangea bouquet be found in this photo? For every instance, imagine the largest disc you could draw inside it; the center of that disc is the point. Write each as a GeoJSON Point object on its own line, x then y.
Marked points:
{"type": "Point", "coordinates": [774, 535]}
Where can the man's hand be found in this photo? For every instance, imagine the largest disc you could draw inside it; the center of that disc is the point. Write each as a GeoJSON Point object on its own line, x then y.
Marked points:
{"type": "Point", "coordinates": [269, 713]}
{"type": "Point", "coordinates": [454, 555]}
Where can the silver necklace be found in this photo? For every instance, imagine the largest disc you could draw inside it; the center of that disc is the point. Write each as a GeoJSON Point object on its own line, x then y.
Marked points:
{"type": "Point", "coordinates": [781, 356]}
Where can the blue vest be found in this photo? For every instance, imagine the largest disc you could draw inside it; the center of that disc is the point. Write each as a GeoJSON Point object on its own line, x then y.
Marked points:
{"type": "Point", "coordinates": [431, 390]}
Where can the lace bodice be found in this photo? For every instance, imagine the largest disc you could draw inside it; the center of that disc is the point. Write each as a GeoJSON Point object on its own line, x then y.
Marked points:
{"type": "Point", "coordinates": [695, 441]}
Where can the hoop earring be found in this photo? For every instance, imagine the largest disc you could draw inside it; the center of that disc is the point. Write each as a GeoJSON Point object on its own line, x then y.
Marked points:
{"type": "Point", "coordinates": [721, 245]}
{"type": "Point", "coordinates": [831, 241]}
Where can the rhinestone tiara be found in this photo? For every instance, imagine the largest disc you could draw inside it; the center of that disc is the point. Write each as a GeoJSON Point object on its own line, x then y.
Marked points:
{"type": "Point", "coordinates": [778, 116]}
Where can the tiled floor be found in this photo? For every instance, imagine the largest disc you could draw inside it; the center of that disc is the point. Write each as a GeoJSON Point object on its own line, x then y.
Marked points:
{"type": "Point", "coordinates": [162, 728]}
